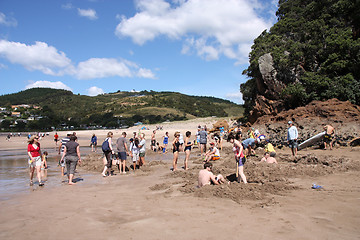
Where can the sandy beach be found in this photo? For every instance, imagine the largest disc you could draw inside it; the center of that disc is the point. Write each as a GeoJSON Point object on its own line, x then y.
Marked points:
{"type": "Point", "coordinates": [156, 203]}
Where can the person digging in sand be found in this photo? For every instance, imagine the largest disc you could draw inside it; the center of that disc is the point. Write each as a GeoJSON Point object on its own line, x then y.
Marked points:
{"type": "Point", "coordinates": [206, 177]}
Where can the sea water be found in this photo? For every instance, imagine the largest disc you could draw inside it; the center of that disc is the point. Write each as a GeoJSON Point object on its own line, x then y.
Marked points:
{"type": "Point", "coordinates": [14, 171]}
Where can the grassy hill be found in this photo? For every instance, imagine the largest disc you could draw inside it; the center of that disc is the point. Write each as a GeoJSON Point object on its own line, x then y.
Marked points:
{"type": "Point", "coordinates": [61, 107]}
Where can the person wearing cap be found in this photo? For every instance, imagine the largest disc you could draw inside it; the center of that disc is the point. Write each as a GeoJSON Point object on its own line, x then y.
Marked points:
{"type": "Point", "coordinates": [213, 153]}
{"type": "Point", "coordinates": [63, 142]}
{"type": "Point", "coordinates": [292, 136]}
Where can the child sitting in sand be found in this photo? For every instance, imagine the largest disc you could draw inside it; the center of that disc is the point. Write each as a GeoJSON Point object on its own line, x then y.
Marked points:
{"type": "Point", "coordinates": [212, 154]}
{"type": "Point", "coordinates": [268, 158]}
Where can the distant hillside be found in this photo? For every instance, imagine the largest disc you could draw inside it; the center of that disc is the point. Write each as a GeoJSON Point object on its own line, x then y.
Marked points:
{"type": "Point", "coordinates": [61, 107]}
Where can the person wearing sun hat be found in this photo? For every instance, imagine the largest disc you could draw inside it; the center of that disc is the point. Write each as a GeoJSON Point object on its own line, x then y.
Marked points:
{"type": "Point", "coordinates": [292, 136]}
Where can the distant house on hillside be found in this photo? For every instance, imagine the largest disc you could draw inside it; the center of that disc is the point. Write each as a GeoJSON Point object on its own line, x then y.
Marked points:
{"type": "Point", "coordinates": [15, 114]}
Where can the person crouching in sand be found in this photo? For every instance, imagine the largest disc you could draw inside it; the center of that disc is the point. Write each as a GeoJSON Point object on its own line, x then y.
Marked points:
{"type": "Point", "coordinates": [206, 177]}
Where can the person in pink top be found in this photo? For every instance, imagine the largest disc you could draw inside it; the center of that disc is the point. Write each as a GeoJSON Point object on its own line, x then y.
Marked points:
{"type": "Point", "coordinates": [34, 161]}
{"type": "Point", "coordinates": [238, 150]}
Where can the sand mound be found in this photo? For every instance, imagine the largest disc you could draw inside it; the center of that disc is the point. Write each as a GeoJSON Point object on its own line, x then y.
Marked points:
{"type": "Point", "coordinates": [264, 179]}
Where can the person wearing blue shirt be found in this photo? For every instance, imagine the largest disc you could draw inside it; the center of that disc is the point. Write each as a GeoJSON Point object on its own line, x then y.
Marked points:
{"type": "Point", "coordinates": [292, 136]}
{"type": "Point", "coordinates": [249, 146]}
{"type": "Point", "coordinates": [93, 143]}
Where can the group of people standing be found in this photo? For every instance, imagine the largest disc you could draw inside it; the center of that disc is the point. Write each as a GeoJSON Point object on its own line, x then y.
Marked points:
{"type": "Point", "coordinates": [135, 149]}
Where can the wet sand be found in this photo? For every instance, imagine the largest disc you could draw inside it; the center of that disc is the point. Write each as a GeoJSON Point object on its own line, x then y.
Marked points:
{"type": "Point", "coordinates": [155, 203]}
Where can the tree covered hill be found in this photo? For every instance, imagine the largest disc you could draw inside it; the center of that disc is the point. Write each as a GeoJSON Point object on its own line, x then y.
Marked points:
{"type": "Point", "coordinates": [311, 53]}
{"type": "Point", "coordinates": [61, 107]}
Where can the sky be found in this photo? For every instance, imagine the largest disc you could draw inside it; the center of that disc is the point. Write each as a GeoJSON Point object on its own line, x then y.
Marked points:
{"type": "Point", "coordinates": [91, 47]}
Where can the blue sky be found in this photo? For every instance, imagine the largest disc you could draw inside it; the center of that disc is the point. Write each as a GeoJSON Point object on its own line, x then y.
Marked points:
{"type": "Point", "coordinates": [196, 47]}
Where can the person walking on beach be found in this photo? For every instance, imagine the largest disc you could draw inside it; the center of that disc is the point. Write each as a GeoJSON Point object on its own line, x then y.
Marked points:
{"type": "Point", "coordinates": [203, 141]}
{"type": "Point", "coordinates": [72, 157]}
{"type": "Point", "coordinates": [121, 145]}
{"type": "Point", "coordinates": [176, 149]}
{"type": "Point", "coordinates": [61, 149]}
{"type": "Point", "coordinates": [56, 139]}
{"type": "Point", "coordinates": [239, 157]}
{"type": "Point", "coordinates": [93, 143]}
{"type": "Point", "coordinates": [142, 147]}
{"type": "Point", "coordinates": [187, 149]}
{"type": "Point", "coordinates": [108, 152]}
{"type": "Point", "coordinates": [165, 141]}
{"type": "Point", "coordinates": [292, 136]}
{"type": "Point", "coordinates": [328, 138]}
{"type": "Point", "coordinates": [34, 161]}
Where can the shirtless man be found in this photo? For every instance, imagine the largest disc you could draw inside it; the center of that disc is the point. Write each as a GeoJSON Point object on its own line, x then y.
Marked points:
{"type": "Point", "coordinates": [328, 138]}
{"type": "Point", "coordinates": [206, 177]}
{"type": "Point", "coordinates": [268, 159]}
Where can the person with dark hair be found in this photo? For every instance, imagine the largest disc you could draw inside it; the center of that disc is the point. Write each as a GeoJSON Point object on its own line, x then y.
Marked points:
{"type": "Point", "coordinates": [165, 141]}
{"type": "Point", "coordinates": [187, 149]}
{"type": "Point", "coordinates": [123, 151]}
{"type": "Point", "coordinates": [34, 161]}
{"type": "Point", "coordinates": [61, 149]}
{"type": "Point", "coordinates": [134, 151]}
{"type": "Point", "coordinates": [239, 157]}
{"type": "Point", "coordinates": [176, 149]}
{"type": "Point", "coordinates": [206, 177]}
{"type": "Point", "coordinates": [292, 136]}
{"type": "Point", "coordinates": [72, 157]}
{"type": "Point", "coordinates": [93, 143]}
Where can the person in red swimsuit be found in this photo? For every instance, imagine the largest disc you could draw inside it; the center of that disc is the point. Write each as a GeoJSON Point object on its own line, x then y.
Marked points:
{"type": "Point", "coordinates": [34, 161]}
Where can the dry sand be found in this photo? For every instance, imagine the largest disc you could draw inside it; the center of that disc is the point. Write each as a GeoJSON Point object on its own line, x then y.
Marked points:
{"type": "Point", "coordinates": [155, 203]}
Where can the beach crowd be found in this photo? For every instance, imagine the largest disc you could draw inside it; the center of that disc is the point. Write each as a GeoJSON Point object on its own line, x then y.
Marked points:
{"type": "Point", "coordinates": [116, 152]}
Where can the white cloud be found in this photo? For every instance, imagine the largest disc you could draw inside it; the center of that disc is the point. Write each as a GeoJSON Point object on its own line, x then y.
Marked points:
{"type": "Point", "coordinates": [39, 56]}
{"type": "Point", "coordinates": [235, 97]}
{"type": "Point", "coordinates": [67, 6]}
{"type": "Point", "coordinates": [50, 61]}
{"type": "Point", "coordinates": [3, 66]}
{"type": "Point", "coordinates": [209, 27]}
{"type": "Point", "coordinates": [89, 13]}
{"type": "Point", "coordinates": [94, 91]}
{"type": "Point", "coordinates": [47, 84]}
{"type": "Point", "coordinates": [7, 21]}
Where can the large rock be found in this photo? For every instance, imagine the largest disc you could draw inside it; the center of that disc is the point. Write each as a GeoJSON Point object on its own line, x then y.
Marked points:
{"type": "Point", "coordinates": [268, 85]}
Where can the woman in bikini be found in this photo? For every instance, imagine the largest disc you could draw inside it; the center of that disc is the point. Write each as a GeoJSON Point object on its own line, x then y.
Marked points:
{"type": "Point", "coordinates": [176, 147]}
{"type": "Point", "coordinates": [187, 149]}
